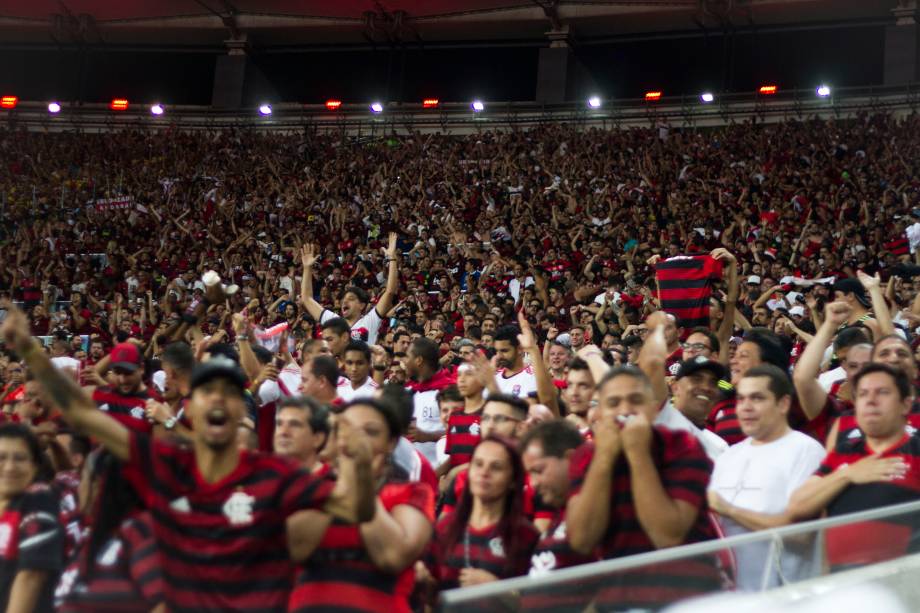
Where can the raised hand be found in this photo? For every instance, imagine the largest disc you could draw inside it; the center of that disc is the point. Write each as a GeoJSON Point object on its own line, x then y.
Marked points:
{"type": "Point", "coordinates": [837, 313]}
{"type": "Point", "coordinates": [390, 251]}
{"type": "Point", "coordinates": [876, 468]}
{"type": "Point", "coordinates": [308, 256]}
{"type": "Point", "coordinates": [870, 283]}
{"type": "Point", "coordinates": [636, 434]}
{"type": "Point", "coordinates": [525, 338]}
{"type": "Point", "coordinates": [721, 253]}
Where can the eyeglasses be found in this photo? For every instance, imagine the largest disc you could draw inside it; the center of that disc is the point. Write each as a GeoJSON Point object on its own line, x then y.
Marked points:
{"type": "Point", "coordinates": [497, 419]}
{"type": "Point", "coordinates": [697, 346]}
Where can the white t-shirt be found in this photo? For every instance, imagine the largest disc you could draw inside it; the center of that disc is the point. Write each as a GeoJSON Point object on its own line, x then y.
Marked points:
{"type": "Point", "coordinates": [670, 417]}
{"type": "Point", "coordinates": [427, 418]}
{"type": "Point", "coordinates": [829, 378]}
{"type": "Point", "coordinates": [346, 392]}
{"type": "Point", "coordinates": [370, 323]}
{"type": "Point", "coordinates": [441, 452]}
{"type": "Point", "coordinates": [520, 385]}
{"type": "Point", "coordinates": [762, 478]}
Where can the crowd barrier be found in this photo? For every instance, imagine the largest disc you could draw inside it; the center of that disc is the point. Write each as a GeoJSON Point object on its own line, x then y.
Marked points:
{"type": "Point", "coordinates": [756, 561]}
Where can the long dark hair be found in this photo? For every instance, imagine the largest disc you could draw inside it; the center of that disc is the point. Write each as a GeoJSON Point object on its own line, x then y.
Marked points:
{"type": "Point", "coordinates": [115, 500]}
{"type": "Point", "coordinates": [512, 514]}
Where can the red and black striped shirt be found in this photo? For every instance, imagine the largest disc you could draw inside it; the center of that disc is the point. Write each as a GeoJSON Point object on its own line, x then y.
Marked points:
{"type": "Point", "coordinates": [685, 285]}
{"type": "Point", "coordinates": [684, 470]}
{"type": "Point", "coordinates": [222, 544]}
{"type": "Point", "coordinates": [553, 552]}
{"type": "Point", "coordinates": [340, 575]}
{"type": "Point", "coordinates": [873, 541]}
{"type": "Point", "coordinates": [128, 409]}
{"type": "Point", "coordinates": [481, 548]}
{"type": "Point", "coordinates": [723, 420]}
{"type": "Point", "coordinates": [127, 575]}
{"type": "Point", "coordinates": [462, 436]}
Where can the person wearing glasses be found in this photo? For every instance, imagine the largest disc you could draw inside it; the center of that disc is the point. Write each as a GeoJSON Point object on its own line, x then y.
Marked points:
{"type": "Point", "coordinates": [503, 416]}
{"type": "Point", "coordinates": [701, 341]}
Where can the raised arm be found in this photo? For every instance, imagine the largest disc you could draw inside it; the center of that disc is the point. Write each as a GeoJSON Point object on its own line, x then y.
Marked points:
{"type": "Point", "coordinates": [308, 257]}
{"type": "Point", "coordinates": [60, 390]}
{"type": "Point", "coordinates": [812, 396]}
{"type": "Point", "coordinates": [653, 355]}
{"type": "Point", "coordinates": [386, 299]}
{"type": "Point", "coordinates": [724, 333]}
{"type": "Point", "coordinates": [546, 391]}
{"type": "Point", "coordinates": [873, 286]}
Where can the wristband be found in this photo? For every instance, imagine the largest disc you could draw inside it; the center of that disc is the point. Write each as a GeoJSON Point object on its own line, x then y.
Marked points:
{"type": "Point", "coordinates": [170, 423]}
{"type": "Point", "coordinates": [380, 368]}
{"type": "Point", "coordinates": [242, 337]}
{"type": "Point", "coordinates": [388, 260]}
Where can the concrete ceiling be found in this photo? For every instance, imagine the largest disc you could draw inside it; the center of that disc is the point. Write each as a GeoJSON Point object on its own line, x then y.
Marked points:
{"type": "Point", "coordinates": [271, 24]}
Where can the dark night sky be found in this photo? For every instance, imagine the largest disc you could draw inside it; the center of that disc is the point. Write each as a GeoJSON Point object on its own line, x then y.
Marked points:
{"type": "Point", "coordinates": [851, 56]}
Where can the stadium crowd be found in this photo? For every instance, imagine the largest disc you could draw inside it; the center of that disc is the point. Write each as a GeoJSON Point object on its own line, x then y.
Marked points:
{"type": "Point", "coordinates": [303, 372]}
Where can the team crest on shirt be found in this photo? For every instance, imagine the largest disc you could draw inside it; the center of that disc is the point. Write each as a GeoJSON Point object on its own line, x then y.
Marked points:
{"type": "Point", "coordinates": [137, 413]}
{"type": "Point", "coordinates": [516, 390]}
{"type": "Point", "coordinates": [719, 415]}
{"type": "Point", "coordinates": [474, 429]}
{"type": "Point", "coordinates": [559, 533]}
{"type": "Point", "coordinates": [104, 407]}
{"type": "Point", "coordinates": [673, 368]}
{"type": "Point", "coordinates": [238, 508]}
{"type": "Point", "coordinates": [496, 547]}
{"type": "Point", "coordinates": [181, 505]}
{"type": "Point", "coordinates": [910, 430]}
{"type": "Point", "coordinates": [541, 563]}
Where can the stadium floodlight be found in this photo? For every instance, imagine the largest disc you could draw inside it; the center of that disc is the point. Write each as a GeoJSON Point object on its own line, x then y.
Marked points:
{"type": "Point", "coordinates": [119, 104]}
{"type": "Point", "coordinates": [9, 102]}
{"type": "Point", "coordinates": [333, 105]}
{"type": "Point", "coordinates": [430, 103]}
{"type": "Point", "coordinates": [265, 109]}
{"type": "Point", "coordinates": [707, 97]}
{"type": "Point", "coordinates": [157, 109]}
{"type": "Point", "coordinates": [767, 90]}
{"type": "Point", "coordinates": [54, 107]}
{"type": "Point", "coordinates": [823, 91]}
{"type": "Point", "coordinates": [653, 96]}
{"type": "Point", "coordinates": [478, 105]}
{"type": "Point", "coordinates": [376, 107]}
{"type": "Point", "coordinates": [594, 102]}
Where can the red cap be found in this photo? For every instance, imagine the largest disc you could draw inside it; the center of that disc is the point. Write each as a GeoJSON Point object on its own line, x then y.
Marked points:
{"type": "Point", "coordinates": [126, 356]}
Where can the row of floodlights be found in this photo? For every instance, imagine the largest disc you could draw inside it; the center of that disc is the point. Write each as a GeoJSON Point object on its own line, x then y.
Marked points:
{"type": "Point", "coordinates": [594, 102]}
{"type": "Point", "coordinates": [822, 91]}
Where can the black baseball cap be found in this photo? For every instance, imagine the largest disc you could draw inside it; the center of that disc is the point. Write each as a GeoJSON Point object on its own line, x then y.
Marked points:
{"type": "Point", "coordinates": [688, 367]}
{"type": "Point", "coordinates": [853, 286]}
{"type": "Point", "coordinates": [218, 367]}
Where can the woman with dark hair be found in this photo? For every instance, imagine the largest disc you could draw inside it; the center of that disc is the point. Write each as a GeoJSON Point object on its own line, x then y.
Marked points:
{"type": "Point", "coordinates": [31, 538]}
{"type": "Point", "coordinates": [366, 567]}
{"type": "Point", "coordinates": [487, 537]}
{"type": "Point", "coordinates": [117, 569]}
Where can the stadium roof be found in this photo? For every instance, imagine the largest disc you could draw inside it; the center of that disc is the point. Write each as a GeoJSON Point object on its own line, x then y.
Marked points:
{"type": "Point", "coordinates": [282, 23]}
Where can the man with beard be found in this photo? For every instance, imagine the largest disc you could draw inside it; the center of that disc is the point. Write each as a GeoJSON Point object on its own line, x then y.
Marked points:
{"type": "Point", "coordinates": [126, 400]}
{"type": "Point", "coordinates": [514, 378]}
{"type": "Point", "coordinates": [363, 325]}
{"type": "Point", "coordinates": [211, 501]}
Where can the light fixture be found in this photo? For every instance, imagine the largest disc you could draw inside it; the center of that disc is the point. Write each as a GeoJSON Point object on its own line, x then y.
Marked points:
{"type": "Point", "coordinates": [652, 96]}
{"type": "Point", "coordinates": [430, 103]}
{"type": "Point", "coordinates": [119, 104]}
{"type": "Point", "coordinates": [478, 105]}
{"type": "Point", "coordinates": [707, 97]}
{"type": "Point", "coordinates": [823, 91]}
{"type": "Point", "coordinates": [157, 109]}
{"type": "Point", "coordinates": [265, 109]}
{"type": "Point", "coordinates": [376, 107]}
{"type": "Point", "coordinates": [594, 102]}
{"type": "Point", "coordinates": [54, 107]}
{"type": "Point", "coordinates": [767, 90]}
{"type": "Point", "coordinates": [333, 105]}
{"type": "Point", "coordinates": [8, 102]}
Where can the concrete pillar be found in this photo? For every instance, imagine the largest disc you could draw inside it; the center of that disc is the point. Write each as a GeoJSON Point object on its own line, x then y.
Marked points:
{"type": "Point", "coordinates": [556, 68]}
{"type": "Point", "coordinates": [238, 82]}
{"type": "Point", "coordinates": [902, 45]}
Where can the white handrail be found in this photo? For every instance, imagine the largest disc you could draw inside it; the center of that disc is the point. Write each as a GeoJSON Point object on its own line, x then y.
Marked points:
{"type": "Point", "coordinates": [585, 571]}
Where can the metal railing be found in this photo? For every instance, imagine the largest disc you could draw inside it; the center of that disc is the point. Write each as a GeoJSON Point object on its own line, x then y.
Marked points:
{"type": "Point", "coordinates": [358, 120]}
{"type": "Point", "coordinates": [512, 590]}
